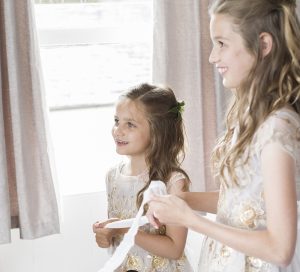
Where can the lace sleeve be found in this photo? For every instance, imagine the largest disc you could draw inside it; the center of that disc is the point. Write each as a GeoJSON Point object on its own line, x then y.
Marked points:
{"type": "Point", "coordinates": [110, 175]}
{"type": "Point", "coordinates": [177, 183]}
{"type": "Point", "coordinates": [281, 129]}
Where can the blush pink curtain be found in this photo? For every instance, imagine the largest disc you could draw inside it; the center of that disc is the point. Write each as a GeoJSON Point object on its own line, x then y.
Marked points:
{"type": "Point", "coordinates": [180, 59]}
{"type": "Point", "coordinates": [27, 195]}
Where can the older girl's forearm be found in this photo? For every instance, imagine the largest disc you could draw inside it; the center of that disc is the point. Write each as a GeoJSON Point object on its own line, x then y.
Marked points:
{"type": "Point", "coordinates": [260, 243]}
{"type": "Point", "coordinates": [201, 201]}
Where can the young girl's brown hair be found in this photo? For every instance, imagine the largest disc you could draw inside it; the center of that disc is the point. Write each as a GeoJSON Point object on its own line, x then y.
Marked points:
{"type": "Point", "coordinates": [273, 82]}
{"type": "Point", "coordinates": [166, 151]}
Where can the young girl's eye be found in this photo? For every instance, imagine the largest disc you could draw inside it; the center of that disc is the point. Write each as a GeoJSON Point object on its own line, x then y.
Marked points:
{"type": "Point", "coordinates": [116, 121]}
{"type": "Point", "coordinates": [130, 125]}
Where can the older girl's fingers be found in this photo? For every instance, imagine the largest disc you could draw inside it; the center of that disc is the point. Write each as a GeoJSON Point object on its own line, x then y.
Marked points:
{"type": "Point", "coordinates": [158, 198]}
{"type": "Point", "coordinates": [153, 220]}
{"type": "Point", "coordinates": [165, 199]}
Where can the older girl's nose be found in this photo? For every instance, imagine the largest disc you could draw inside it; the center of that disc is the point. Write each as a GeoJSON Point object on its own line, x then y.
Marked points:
{"type": "Point", "coordinates": [213, 57]}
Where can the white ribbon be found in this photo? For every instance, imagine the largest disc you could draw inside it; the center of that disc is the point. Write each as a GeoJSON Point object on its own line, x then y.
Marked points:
{"type": "Point", "coordinates": [156, 187]}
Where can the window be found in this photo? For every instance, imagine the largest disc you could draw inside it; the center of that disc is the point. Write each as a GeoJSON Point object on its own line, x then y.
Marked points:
{"type": "Point", "coordinates": [90, 51]}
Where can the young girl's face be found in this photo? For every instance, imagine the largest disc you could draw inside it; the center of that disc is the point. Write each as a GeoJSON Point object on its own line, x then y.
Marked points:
{"type": "Point", "coordinates": [131, 130]}
{"type": "Point", "coordinates": [229, 53]}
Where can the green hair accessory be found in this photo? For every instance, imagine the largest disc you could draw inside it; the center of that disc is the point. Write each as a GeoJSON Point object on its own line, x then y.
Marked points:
{"type": "Point", "coordinates": [178, 109]}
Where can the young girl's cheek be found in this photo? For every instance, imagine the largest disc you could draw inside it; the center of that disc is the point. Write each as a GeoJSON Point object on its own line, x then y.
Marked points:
{"type": "Point", "coordinates": [113, 131]}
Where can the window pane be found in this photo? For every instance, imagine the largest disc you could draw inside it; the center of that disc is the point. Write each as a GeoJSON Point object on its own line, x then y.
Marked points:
{"type": "Point", "coordinates": [90, 53]}
{"type": "Point", "coordinates": [93, 74]}
{"type": "Point", "coordinates": [84, 148]}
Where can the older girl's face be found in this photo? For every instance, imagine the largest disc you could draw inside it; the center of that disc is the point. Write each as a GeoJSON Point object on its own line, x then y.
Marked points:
{"type": "Point", "coordinates": [229, 53]}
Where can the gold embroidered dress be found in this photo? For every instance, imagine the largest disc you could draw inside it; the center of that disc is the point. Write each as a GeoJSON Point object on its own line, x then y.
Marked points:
{"type": "Point", "coordinates": [122, 191]}
{"type": "Point", "coordinates": [243, 207]}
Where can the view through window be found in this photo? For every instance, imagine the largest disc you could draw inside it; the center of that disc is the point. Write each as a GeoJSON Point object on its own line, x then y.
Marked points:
{"type": "Point", "coordinates": [90, 52]}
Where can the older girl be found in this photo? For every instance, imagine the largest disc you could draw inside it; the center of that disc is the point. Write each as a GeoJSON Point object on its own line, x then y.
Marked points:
{"type": "Point", "coordinates": [257, 161]}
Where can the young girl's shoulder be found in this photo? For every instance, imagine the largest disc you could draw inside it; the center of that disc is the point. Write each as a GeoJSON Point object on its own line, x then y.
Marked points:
{"type": "Point", "coordinates": [178, 181]}
{"type": "Point", "coordinates": [281, 127]}
{"type": "Point", "coordinates": [114, 170]}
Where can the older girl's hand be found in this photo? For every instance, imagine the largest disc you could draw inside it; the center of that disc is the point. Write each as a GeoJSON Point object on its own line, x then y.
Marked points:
{"type": "Point", "coordinates": [169, 210]}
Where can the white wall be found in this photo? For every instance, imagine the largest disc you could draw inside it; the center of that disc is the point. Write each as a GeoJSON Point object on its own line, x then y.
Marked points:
{"type": "Point", "coordinates": [74, 250]}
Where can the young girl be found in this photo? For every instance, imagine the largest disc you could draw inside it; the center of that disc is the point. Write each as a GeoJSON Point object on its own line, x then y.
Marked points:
{"type": "Point", "coordinates": [148, 129]}
{"type": "Point", "coordinates": [257, 161]}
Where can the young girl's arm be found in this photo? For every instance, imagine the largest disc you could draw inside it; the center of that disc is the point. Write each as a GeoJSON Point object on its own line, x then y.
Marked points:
{"type": "Point", "coordinates": [276, 243]}
{"type": "Point", "coordinates": [104, 236]}
{"type": "Point", "coordinates": [171, 245]}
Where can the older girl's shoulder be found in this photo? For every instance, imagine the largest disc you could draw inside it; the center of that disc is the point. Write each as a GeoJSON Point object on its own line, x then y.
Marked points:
{"type": "Point", "coordinates": [280, 127]}
{"type": "Point", "coordinates": [285, 120]}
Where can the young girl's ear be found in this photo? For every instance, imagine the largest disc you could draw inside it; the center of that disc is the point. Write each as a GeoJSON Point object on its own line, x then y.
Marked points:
{"type": "Point", "coordinates": [266, 43]}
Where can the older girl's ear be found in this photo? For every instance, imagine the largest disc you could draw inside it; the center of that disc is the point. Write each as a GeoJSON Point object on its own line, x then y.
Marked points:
{"type": "Point", "coordinates": [266, 43]}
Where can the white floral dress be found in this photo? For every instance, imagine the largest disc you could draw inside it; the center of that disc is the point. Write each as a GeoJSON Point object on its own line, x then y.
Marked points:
{"type": "Point", "coordinates": [121, 192]}
{"type": "Point", "coordinates": [244, 206]}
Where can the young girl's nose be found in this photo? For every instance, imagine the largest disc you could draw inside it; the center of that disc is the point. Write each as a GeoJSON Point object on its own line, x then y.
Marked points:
{"type": "Point", "coordinates": [118, 131]}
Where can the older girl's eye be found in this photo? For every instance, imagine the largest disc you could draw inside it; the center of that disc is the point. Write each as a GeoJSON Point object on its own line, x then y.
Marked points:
{"type": "Point", "coordinates": [221, 44]}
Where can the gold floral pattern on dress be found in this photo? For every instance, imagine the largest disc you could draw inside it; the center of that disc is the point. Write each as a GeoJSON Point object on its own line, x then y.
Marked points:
{"type": "Point", "coordinates": [210, 247]}
{"type": "Point", "coordinates": [117, 203]}
{"type": "Point", "coordinates": [221, 195]}
{"type": "Point", "coordinates": [248, 217]}
{"type": "Point", "coordinates": [250, 214]}
{"type": "Point", "coordinates": [134, 262]}
{"type": "Point", "coordinates": [159, 262]}
{"type": "Point", "coordinates": [225, 251]}
{"type": "Point", "coordinates": [161, 230]}
{"type": "Point", "coordinates": [220, 257]}
{"type": "Point", "coordinates": [181, 264]}
{"type": "Point", "coordinates": [256, 265]}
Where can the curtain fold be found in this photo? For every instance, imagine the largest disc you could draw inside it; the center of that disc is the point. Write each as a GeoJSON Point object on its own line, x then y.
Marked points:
{"type": "Point", "coordinates": [180, 59]}
{"type": "Point", "coordinates": [27, 197]}
{"type": "Point", "coordinates": [298, 8]}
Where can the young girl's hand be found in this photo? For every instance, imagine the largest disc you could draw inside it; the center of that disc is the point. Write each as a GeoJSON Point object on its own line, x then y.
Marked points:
{"type": "Point", "coordinates": [104, 235]}
{"type": "Point", "coordinates": [169, 210]}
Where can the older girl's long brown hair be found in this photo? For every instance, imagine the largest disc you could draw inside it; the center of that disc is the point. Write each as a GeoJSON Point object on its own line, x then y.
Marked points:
{"type": "Point", "coordinates": [274, 80]}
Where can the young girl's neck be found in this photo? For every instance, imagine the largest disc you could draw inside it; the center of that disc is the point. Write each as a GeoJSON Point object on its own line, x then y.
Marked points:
{"type": "Point", "coordinates": [135, 167]}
